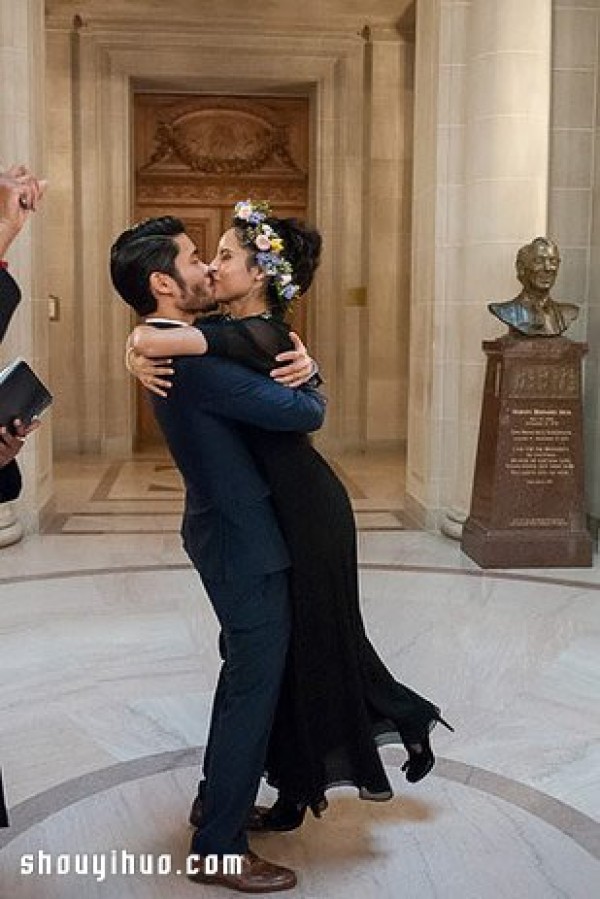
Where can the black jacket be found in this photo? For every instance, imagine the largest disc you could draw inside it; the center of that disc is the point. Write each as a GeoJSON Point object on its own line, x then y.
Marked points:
{"type": "Point", "coordinates": [229, 526]}
{"type": "Point", "coordinates": [10, 476]}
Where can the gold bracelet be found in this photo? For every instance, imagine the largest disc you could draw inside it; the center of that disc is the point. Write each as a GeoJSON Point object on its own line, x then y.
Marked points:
{"type": "Point", "coordinates": [128, 364]}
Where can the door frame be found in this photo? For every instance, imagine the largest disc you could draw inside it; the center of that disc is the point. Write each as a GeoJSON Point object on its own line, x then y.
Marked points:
{"type": "Point", "coordinates": [207, 197]}
{"type": "Point", "coordinates": [110, 66]}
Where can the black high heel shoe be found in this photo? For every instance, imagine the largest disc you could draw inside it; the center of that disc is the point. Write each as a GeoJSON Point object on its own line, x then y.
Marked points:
{"type": "Point", "coordinates": [420, 759]}
{"type": "Point", "coordinates": [287, 815]}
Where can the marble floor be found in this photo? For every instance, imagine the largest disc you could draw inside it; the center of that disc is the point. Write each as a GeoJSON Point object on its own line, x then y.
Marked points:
{"type": "Point", "coordinates": [98, 496]}
{"type": "Point", "coordinates": [109, 660]}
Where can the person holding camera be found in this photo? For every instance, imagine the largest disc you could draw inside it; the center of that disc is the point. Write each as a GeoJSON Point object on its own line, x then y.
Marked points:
{"type": "Point", "coordinates": [20, 193]}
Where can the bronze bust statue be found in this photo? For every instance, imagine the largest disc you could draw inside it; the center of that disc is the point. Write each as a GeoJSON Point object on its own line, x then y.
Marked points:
{"type": "Point", "coordinates": [533, 313]}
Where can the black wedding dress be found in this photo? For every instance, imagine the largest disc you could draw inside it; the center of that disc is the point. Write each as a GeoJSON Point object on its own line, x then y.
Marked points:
{"type": "Point", "coordinates": [338, 700]}
{"type": "Point", "coordinates": [3, 812]}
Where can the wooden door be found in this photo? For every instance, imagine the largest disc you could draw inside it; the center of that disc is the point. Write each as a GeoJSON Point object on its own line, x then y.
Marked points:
{"type": "Point", "coordinates": [196, 156]}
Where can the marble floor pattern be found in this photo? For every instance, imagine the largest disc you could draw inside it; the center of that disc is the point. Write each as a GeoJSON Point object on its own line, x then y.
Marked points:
{"type": "Point", "coordinates": [109, 660]}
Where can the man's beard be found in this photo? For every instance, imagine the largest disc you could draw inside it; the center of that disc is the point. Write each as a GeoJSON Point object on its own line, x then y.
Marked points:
{"type": "Point", "coordinates": [199, 301]}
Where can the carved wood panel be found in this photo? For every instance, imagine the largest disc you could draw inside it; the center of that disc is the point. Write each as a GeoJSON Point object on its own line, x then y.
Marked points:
{"type": "Point", "coordinates": [196, 156]}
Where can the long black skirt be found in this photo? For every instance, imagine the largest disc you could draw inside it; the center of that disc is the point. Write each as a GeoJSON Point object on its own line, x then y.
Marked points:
{"type": "Point", "coordinates": [338, 701]}
{"type": "Point", "coordinates": [3, 812]}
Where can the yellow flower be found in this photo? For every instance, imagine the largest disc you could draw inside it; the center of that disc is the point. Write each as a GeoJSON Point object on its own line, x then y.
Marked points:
{"type": "Point", "coordinates": [276, 245]}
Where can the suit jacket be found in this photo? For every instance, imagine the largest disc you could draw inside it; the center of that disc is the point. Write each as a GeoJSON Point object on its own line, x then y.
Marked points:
{"type": "Point", "coordinates": [10, 295]}
{"type": "Point", "coordinates": [229, 526]}
{"type": "Point", "coordinates": [524, 318]}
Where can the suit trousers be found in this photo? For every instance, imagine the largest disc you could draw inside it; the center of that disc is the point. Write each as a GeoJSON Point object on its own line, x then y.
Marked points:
{"type": "Point", "coordinates": [254, 614]}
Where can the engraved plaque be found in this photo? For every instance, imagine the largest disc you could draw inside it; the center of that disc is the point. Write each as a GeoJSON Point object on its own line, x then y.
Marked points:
{"type": "Point", "coordinates": [527, 505]}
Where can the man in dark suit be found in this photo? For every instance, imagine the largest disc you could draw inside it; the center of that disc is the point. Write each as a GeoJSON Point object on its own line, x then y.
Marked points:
{"type": "Point", "coordinates": [20, 193]}
{"type": "Point", "coordinates": [229, 532]}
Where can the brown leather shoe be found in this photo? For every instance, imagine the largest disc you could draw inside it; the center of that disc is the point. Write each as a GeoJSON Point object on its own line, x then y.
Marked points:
{"type": "Point", "coordinates": [257, 875]}
{"type": "Point", "coordinates": [254, 821]}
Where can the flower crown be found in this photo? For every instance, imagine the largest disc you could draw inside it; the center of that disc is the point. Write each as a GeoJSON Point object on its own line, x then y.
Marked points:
{"type": "Point", "coordinates": [269, 246]}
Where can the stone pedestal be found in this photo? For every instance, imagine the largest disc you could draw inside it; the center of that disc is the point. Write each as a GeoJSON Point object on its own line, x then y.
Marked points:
{"type": "Point", "coordinates": [527, 505]}
{"type": "Point", "coordinates": [11, 529]}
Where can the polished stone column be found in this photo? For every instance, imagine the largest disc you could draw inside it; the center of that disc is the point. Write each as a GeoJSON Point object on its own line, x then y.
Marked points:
{"type": "Point", "coordinates": [486, 196]}
{"type": "Point", "coordinates": [388, 240]}
{"type": "Point", "coordinates": [506, 184]}
{"type": "Point", "coordinates": [21, 140]}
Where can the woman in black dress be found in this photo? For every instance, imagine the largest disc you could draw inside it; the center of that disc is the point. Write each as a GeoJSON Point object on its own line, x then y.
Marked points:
{"type": "Point", "coordinates": [338, 700]}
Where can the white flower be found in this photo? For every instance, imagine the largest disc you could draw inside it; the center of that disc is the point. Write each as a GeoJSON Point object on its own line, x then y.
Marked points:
{"type": "Point", "coordinates": [285, 279]}
{"type": "Point", "coordinates": [262, 242]}
{"type": "Point", "coordinates": [243, 211]}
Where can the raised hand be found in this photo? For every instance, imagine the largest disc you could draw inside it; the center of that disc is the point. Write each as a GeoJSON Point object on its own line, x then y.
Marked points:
{"type": "Point", "coordinates": [20, 194]}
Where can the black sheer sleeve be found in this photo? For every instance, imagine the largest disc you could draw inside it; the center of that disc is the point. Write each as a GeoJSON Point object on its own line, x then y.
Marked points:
{"type": "Point", "coordinates": [10, 476]}
{"type": "Point", "coordinates": [10, 482]}
{"type": "Point", "coordinates": [253, 341]}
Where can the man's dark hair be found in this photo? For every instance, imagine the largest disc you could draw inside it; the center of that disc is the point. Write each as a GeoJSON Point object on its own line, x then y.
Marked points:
{"type": "Point", "coordinates": [145, 248]}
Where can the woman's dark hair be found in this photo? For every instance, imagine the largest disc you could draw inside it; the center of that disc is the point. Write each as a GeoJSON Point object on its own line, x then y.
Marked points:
{"type": "Point", "coordinates": [301, 248]}
{"type": "Point", "coordinates": [145, 248]}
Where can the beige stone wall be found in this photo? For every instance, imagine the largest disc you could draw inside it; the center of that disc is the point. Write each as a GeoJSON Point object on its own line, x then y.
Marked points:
{"type": "Point", "coordinates": [312, 16]}
{"type": "Point", "coordinates": [22, 136]}
{"type": "Point", "coordinates": [443, 242]}
{"type": "Point", "coordinates": [357, 70]}
{"type": "Point", "coordinates": [422, 474]}
{"type": "Point", "coordinates": [485, 196]}
{"type": "Point", "coordinates": [573, 147]}
{"type": "Point", "coordinates": [67, 357]}
{"type": "Point", "coordinates": [388, 235]}
{"type": "Point", "coordinates": [575, 199]}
